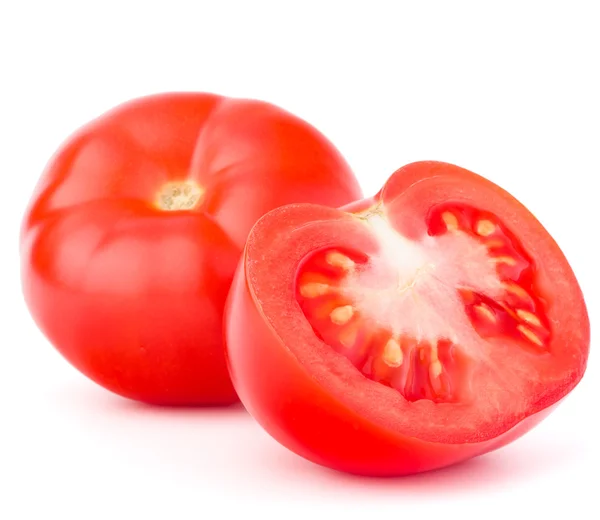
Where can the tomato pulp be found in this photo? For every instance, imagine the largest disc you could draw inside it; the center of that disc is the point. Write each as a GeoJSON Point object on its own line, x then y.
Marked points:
{"type": "Point", "coordinates": [133, 234]}
{"type": "Point", "coordinates": [429, 324]}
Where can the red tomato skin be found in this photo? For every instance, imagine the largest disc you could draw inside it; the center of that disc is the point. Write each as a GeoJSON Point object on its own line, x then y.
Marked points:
{"type": "Point", "coordinates": [133, 296]}
{"type": "Point", "coordinates": [296, 411]}
{"type": "Point", "coordinates": [139, 338]}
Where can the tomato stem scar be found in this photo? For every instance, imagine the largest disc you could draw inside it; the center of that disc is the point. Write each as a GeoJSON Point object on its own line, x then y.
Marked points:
{"type": "Point", "coordinates": [179, 196]}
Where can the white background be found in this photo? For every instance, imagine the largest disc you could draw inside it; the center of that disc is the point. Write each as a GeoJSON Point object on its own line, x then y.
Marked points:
{"type": "Point", "coordinates": [510, 91]}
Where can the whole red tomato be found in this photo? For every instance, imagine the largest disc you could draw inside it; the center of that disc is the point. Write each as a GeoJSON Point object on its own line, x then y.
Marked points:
{"type": "Point", "coordinates": [429, 324]}
{"type": "Point", "coordinates": [132, 238]}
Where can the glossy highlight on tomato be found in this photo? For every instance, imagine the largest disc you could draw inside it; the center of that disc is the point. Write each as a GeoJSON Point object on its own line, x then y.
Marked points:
{"type": "Point", "coordinates": [135, 229]}
{"type": "Point", "coordinates": [429, 324]}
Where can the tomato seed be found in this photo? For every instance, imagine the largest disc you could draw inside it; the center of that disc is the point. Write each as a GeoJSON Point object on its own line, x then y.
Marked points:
{"type": "Point", "coordinates": [337, 259]}
{"type": "Point", "coordinates": [342, 315]}
{"type": "Point", "coordinates": [485, 312]}
{"type": "Point", "coordinates": [435, 369]}
{"type": "Point", "coordinates": [529, 317]}
{"type": "Point", "coordinates": [517, 290]}
{"type": "Point", "coordinates": [530, 335]}
{"type": "Point", "coordinates": [485, 228]}
{"type": "Point", "coordinates": [392, 353]}
{"type": "Point", "coordinates": [450, 220]}
{"type": "Point", "coordinates": [314, 289]}
{"type": "Point", "coordinates": [508, 260]}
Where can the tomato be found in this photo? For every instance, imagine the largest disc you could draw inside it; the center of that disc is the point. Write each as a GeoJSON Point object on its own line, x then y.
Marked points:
{"type": "Point", "coordinates": [131, 240]}
{"type": "Point", "coordinates": [432, 323]}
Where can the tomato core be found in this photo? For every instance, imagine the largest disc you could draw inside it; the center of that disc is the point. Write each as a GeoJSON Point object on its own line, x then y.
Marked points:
{"type": "Point", "coordinates": [179, 196]}
{"type": "Point", "coordinates": [417, 314]}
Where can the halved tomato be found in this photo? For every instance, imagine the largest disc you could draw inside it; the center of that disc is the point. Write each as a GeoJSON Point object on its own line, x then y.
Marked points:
{"type": "Point", "coordinates": [435, 322]}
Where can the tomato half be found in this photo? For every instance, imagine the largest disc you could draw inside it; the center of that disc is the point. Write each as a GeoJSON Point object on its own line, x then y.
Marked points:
{"type": "Point", "coordinates": [132, 238]}
{"type": "Point", "coordinates": [435, 322]}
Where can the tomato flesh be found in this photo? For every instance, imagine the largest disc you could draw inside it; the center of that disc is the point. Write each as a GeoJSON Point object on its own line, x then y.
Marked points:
{"type": "Point", "coordinates": [406, 315]}
{"type": "Point", "coordinates": [436, 321]}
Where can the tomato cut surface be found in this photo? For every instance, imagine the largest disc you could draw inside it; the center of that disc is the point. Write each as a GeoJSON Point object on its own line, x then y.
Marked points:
{"type": "Point", "coordinates": [434, 322]}
{"type": "Point", "coordinates": [132, 237]}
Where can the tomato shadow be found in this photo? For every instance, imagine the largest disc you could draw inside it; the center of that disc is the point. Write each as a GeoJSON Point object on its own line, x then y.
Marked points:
{"type": "Point", "coordinates": [504, 468]}
{"type": "Point", "coordinates": [92, 396]}
{"type": "Point", "coordinates": [184, 441]}
{"type": "Point", "coordinates": [136, 407]}
{"type": "Point", "coordinates": [177, 441]}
